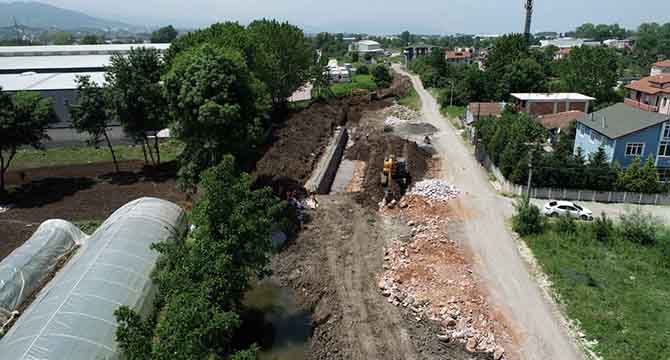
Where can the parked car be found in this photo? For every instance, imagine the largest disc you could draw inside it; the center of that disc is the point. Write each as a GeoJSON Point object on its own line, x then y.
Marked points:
{"type": "Point", "coordinates": [558, 208]}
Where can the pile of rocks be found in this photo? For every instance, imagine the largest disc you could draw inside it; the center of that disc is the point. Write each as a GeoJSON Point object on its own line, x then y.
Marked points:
{"type": "Point", "coordinates": [401, 112]}
{"type": "Point", "coordinates": [438, 190]}
{"type": "Point", "coordinates": [393, 121]}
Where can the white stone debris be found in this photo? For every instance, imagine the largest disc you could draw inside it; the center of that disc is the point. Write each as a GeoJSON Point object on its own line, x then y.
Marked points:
{"type": "Point", "coordinates": [401, 112]}
{"type": "Point", "coordinates": [393, 121]}
{"type": "Point", "coordinates": [438, 190]}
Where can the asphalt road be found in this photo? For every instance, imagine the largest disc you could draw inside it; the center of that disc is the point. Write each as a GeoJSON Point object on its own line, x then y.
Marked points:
{"type": "Point", "coordinates": [536, 322]}
{"type": "Point", "coordinates": [613, 211]}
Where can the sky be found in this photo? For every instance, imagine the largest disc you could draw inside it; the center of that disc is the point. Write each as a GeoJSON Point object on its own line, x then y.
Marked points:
{"type": "Point", "coordinates": [381, 16]}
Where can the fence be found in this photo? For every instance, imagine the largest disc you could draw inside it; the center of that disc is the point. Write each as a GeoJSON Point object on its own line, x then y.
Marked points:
{"type": "Point", "coordinates": [569, 194]}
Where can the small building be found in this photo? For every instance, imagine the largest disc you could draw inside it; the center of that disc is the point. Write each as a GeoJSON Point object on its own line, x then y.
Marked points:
{"type": "Point", "coordinates": [367, 47]}
{"type": "Point", "coordinates": [418, 50]}
{"type": "Point", "coordinates": [626, 133]}
{"type": "Point", "coordinates": [650, 94]}
{"type": "Point", "coordinates": [338, 74]}
{"type": "Point", "coordinates": [661, 67]}
{"type": "Point", "coordinates": [459, 57]}
{"type": "Point", "coordinates": [625, 44]}
{"type": "Point", "coordinates": [544, 104]}
{"type": "Point", "coordinates": [480, 110]}
{"type": "Point", "coordinates": [559, 123]}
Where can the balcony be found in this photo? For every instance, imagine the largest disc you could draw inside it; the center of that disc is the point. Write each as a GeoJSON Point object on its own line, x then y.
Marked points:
{"type": "Point", "coordinates": [641, 106]}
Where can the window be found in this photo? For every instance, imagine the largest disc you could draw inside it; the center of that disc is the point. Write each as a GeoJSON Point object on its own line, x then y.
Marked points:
{"type": "Point", "coordinates": [595, 137]}
{"type": "Point", "coordinates": [634, 149]}
{"type": "Point", "coordinates": [664, 147]}
{"type": "Point", "coordinates": [666, 132]}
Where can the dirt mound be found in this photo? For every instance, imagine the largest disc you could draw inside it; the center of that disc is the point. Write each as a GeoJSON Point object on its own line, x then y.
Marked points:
{"type": "Point", "coordinates": [373, 152]}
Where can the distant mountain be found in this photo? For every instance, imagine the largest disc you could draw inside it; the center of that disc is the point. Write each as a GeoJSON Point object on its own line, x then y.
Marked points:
{"type": "Point", "coordinates": [39, 15]}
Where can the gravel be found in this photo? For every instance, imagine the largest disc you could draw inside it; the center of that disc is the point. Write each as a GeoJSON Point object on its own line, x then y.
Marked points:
{"type": "Point", "coordinates": [438, 190]}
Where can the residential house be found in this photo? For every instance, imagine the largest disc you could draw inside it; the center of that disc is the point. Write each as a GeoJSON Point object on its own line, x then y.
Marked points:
{"type": "Point", "coordinates": [625, 44]}
{"type": "Point", "coordinates": [559, 123]}
{"type": "Point", "coordinates": [661, 67]}
{"type": "Point", "coordinates": [544, 104]}
{"type": "Point", "coordinates": [414, 51]}
{"type": "Point", "coordinates": [650, 94]}
{"type": "Point", "coordinates": [367, 47]}
{"type": "Point", "coordinates": [626, 133]}
{"type": "Point", "coordinates": [478, 110]}
{"type": "Point", "coordinates": [459, 57]}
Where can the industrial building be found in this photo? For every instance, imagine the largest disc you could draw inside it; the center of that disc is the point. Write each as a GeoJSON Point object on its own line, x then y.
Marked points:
{"type": "Point", "coordinates": [53, 71]}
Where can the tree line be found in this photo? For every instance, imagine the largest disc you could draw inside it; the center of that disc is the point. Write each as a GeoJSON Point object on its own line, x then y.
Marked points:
{"type": "Point", "coordinates": [513, 66]}
{"type": "Point", "coordinates": [514, 142]}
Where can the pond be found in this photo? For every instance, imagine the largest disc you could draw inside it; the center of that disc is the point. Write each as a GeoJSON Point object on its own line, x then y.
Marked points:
{"type": "Point", "coordinates": [276, 323]}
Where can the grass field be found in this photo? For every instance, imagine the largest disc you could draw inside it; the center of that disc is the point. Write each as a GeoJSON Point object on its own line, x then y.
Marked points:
{"type": "Point", "coordinates": [412, 100]}
{"type": "Point", "coordinates": [454, 111]}
{"type": "Point", "coordinates": [358, 82]}
{"type": "Point", "coordinates": [618, 291]}
{"type": "Point", "coordinates": [30, 158]}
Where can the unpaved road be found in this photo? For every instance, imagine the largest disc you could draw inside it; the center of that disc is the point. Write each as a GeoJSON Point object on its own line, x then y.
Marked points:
{"type": "Point", "coordinates": [541, 334]}
{"type": "Point", "coordinates": [334, 265]}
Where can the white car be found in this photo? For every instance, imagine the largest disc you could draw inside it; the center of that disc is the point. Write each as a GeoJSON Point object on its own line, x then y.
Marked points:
{"type": "Point", "coordinates": [558, 208]}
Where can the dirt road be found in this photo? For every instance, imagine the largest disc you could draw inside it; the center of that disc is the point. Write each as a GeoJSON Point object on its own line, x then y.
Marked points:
{"type": "Point", "coordinates": [334, 265]}
{"type": "Point", "coordinates": [541, 334]}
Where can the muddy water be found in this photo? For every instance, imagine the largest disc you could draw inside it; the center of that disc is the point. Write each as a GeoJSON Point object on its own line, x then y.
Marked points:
{"type": "Point", "coordinates": [282, 329]}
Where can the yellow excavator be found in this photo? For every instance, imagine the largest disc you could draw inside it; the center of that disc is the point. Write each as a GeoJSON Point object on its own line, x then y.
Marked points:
{"type": "Point", "coordinates": [395, 178]}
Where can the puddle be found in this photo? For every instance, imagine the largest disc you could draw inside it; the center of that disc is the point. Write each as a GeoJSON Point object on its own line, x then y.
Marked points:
{"type": "Point", "coordinates": [276, 323]}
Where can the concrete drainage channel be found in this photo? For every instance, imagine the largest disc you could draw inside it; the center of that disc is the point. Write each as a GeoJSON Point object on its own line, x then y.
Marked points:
{"type": "Point", "coordinates": [326, 170]}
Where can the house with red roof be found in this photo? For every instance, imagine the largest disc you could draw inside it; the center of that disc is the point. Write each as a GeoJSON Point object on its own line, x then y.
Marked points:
{"type": "Point", "coordinates": [651, 93]}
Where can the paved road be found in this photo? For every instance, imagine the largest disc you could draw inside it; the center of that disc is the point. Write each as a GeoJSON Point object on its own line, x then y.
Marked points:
{"type": "Point", "coordinates": [497, 260]}
{"type": "Point", "coordinates": [662, 213]}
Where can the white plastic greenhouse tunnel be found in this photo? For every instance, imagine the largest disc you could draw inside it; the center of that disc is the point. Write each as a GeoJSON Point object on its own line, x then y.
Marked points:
{"type": "Point", "coordinates": [72, 318]}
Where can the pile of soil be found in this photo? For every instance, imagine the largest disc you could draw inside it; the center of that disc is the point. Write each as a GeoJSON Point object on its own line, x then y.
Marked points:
{"type": "Point", "coordinates": [373, 152]}
{"type": "Point", "coordinates": [80, 193]}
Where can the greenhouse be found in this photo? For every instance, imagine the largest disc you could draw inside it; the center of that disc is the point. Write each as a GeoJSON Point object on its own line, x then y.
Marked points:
{"type": "Point", "coordinates": [73, 316]}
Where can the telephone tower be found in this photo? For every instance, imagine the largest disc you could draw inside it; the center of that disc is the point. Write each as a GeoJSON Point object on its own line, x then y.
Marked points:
{"type": "Point", "coordinates": [528, 4]}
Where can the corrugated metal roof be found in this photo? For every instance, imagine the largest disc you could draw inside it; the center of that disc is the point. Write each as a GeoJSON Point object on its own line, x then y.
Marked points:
{"type": "Point", "coordinates": [620, 119]}
{"type": "Point", "coordinates": [74, 49]}
{"type": "Point", "coordinates": [51, 81]}
{"type": "Point", "coordinates": [35, 63]}
{"type": "Point", "coordinates": [552, 97]}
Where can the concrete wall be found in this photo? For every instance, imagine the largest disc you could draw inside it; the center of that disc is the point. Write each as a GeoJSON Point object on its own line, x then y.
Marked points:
{"type": "Point", "coordinates": [324, 174]}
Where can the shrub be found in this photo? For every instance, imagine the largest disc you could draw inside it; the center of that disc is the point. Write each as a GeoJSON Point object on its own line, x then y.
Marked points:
{"type": "Point", "coordinates": [528, 219]}
{"type": "Point", "coordinates": [363, 70]}
{"type": "Point", "coordinates": [603, 228]}
{"type": "Point", "coordinates": [566, 225]}
{"type": "Point", "coordinates": [640, 228]}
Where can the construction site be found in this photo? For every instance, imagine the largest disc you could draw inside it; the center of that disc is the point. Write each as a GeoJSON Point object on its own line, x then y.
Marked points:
{"type": "Point", "coordinates": [372, 266]}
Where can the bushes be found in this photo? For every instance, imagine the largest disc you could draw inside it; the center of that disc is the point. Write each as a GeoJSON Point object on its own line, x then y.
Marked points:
{"type": "Point", "coordinates": [603, 228]}
{"type": "Point", "coordinates": [639, 228]}
{"type": "Point", "coordinates": [382, 76]}
{"type": "Point", "coordinates": [363, 70]}
{"type": "Point", "coordinates": [528, 219]}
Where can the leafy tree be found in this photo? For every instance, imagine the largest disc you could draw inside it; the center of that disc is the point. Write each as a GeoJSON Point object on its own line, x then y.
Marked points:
{"type": "Point", "coordinates": [23, 122]}
{"type": "Point", "coordinates": [382, 76]}
{"type": "Point", "coordinates": [91, 40]}
{"type": "Point", "coordinates": [640, 178]}
{"type": "Point", "coordinates": [363, 70]}
{"type": "Point", "coordinates": [63, 38]}
{"type": "Point", "coordinates": [289, 58]}
{"type": "Point", "coordinates": [219, 106]}
{"type": "Point", "coordinates": [136, 95]}
{"type": "Point", "coordinates": [600, 175]}
{"type": "Point", "coordinates": [164, 35]}
{"type": "Point", "coordinates": [528, 220]}
{"type": "Point", "coordinates": [406, 38]}
{"type": "Point", "coordinates": [507, 50]}
{"type": "Point", "coordinates": [90, 114]}
{"type": "Point", "coordinates": [591, 71]}
{"type": "Point", "coordinates": [524, 75]}
{"type": "Point", "coordinates": [202, 281]}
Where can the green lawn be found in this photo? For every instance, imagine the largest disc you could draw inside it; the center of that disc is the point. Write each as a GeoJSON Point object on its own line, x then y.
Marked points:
{"type": "Point", "coordinates": [620, 292]}
{"type": "Point", "coordinates": [30, 158]}
{"type": "Point", "coordinates": [358, 82]}
{"type": "Point", "coordinates": [412, 100]}
{"type": "Point", "coordinates": [455, 111]}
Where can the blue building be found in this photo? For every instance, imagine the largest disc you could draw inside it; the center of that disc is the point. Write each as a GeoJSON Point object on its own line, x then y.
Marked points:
{"type": "Point", "coordinates": [627, 133]}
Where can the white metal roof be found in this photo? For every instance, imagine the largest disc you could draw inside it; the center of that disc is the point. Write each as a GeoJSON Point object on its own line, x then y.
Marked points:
{"type": "Point", "coordinates": [552, 97]}
{"type": "Point", "coordinates": [39, 81]}
{"type": "Point", "coordinates": [74, 49]}
{"type": "Point", "coordinates": [54, 62]}
{"type": "Point", "coordinates": [368, 42]}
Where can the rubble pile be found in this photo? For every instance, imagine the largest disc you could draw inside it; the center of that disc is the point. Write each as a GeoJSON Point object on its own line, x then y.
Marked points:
{"type": "Point", "coordinates": [393, 121]}
{"type": "Point", "coordinates": [438, 190]}
{"type": "Point", "coordinates": [431, 278]}
{"type": "Point", "coordinates": [401, 112]}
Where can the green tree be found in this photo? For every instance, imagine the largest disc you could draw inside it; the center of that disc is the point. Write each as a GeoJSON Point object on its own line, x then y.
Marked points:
{"type": "Point", "coordinates": [591, 71]}
{"type": "Point", "coordinates": [524, 75]}
{"type": "Point", "coordinates": [507, 50]}
{"type": "Point", "coordinates": [23, 122]}
{"type": "Point", "coordinates": [640, 178]}
{"type": "Point", "coordinates": [63, 38]}
{"type": "Point", "coordinates": [600, 174]}
{"type": "Point", "coordinates": [90, 114]}
{"type": "Point", "coordinates": [528, 219]}
{"type": "Point", "coordinates": [91, 40]}
{"type": "Point", "coordinates": [405, 38]}
{"type": "Point", "coordinates": [382, 76]}
{"type": "Point", "coordinates": [219, 108]}
{"type": "Point", "coordinates": [201, 282]}
{"type": "Point", "coordinates": [164, 35]}
{"type": "Point", "coordinates": [289, 58]}
{"type": "Point", "coordinates": [363, 70]}
{"type": "Point", "coordinates": [136, 96]}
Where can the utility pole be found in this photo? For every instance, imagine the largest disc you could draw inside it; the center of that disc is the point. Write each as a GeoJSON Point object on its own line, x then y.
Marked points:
{"type": "Point", "coordinates": [17, 31]}
{"type": "Point", "coordinates": [530, 177]}
{"type": "Point", "coordinates": [528, 5]}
